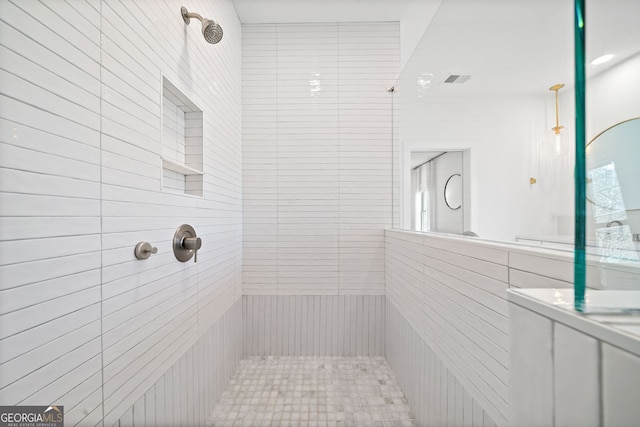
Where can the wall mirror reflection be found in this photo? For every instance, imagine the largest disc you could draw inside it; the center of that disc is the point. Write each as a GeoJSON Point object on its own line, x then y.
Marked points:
{"type": "Point", "coordinates": [437, 191]}
{"type": "Point", "coordinates": [490, 94]}
{"type": "Point", "coordinates": [613, 193]}
{"type": "Point", "coordinates": [453, 192]}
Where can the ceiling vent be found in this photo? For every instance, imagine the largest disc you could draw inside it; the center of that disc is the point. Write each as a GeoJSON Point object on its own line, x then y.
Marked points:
{"type": "Point", "coordinates": [457, 78]}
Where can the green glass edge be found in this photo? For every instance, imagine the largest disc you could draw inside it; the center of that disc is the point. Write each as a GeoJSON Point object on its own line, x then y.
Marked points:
{"type": "Point", "coordinates": [579, 265]}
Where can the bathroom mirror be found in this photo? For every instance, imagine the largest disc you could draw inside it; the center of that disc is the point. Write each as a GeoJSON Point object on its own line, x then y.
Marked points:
{"type": "Point", "coordinates": [437, 190]}
{"type": "Point", "coordinates": [613, 193]}
{"type": "Point", "coordinates": [453, 192]}
{"type": "Point", "coordinates": [612, 171]}
{"type": "Point", "coordinates": [500, 109]}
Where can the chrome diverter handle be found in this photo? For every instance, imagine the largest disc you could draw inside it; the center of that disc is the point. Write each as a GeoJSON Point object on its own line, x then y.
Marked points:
{"type": "Point", "coordinates": [186, 243]}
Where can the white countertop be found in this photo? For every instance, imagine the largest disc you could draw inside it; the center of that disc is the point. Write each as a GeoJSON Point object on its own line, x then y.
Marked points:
{"type": "Point", "coordinates": [611, 316]}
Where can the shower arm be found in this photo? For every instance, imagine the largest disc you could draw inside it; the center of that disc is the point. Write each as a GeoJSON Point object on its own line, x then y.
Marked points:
{"type": "Point", "coordinates": [186, 15]}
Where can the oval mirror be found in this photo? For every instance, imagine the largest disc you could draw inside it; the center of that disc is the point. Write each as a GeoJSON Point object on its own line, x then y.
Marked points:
{"type": "Point", "coordinates": [453, 192]}
{"type": "Point", "coordinates": [612, 172]}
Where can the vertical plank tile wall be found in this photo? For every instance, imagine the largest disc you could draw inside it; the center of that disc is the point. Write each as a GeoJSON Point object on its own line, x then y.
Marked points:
{"type": "Point", "coordinates": [570, 369]}
{"type": "Point", "coordinates": [313, 325]}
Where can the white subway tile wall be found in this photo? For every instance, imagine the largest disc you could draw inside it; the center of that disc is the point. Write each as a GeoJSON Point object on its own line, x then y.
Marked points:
{"type": "Point", "coordinates": [173, 132]}
{"type": "Point", "coordinates": [452, 294]}
{"type": "Point", "coordinates": [182, 141]}
{"type": "Point", "coordinates": [50, 208]}
{"type": "Point", "coordinates": [185, 395]}
{"type": "Point", "coordinates": [451, 291]}
{"type": "Point", "coordinates": [317, 156]}
{"type": "Point", "coordinates": [313, 325]}
{"type": "Point", "coordinates": [80, 93]}
{"type": "Point", "coordinates": [434, 393]}
{"type": "Point", "coordinates": [173, 181]}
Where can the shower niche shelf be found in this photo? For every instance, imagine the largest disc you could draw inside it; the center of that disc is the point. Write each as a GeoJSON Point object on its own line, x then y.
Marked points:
{"type": "Point", "coordinates": [182, 141]}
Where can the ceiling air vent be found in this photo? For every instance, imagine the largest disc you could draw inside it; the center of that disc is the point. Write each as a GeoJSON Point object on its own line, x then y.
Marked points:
{"type": "Point", "coordinates": [457, 78]}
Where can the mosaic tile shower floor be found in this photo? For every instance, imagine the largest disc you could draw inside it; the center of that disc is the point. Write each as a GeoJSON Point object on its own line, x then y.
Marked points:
{"type": "Point", "coordinates": [311, 392]}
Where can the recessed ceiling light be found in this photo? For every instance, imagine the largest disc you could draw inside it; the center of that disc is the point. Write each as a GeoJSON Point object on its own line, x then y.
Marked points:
{"type": "Point", "coordinates": [601, 59]}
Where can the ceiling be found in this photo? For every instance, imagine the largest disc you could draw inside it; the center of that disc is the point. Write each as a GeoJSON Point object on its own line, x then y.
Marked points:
{"type": "Point", "coordinates": [517, 46]}
{"type": "Point", "coordinates": [508, 46]}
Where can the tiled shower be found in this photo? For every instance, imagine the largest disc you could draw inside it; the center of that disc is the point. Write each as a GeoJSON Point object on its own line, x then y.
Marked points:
{"type": "Point", "coordinates": [304, 307]}
{"type": "Point", "coordinates": [296, 194]}
{"type": "Point", "coordinates": [296, 198]}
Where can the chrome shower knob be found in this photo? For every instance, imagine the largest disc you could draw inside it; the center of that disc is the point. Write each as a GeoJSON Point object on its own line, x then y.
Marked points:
{"type": "Point", "coordinates": [186, 243]}
{"type": "Point", "coordinates": [193, 243]}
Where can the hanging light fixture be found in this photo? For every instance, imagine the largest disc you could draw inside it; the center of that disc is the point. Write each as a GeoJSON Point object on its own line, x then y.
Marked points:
{"type": "Point", "coordinates": [557, 128]}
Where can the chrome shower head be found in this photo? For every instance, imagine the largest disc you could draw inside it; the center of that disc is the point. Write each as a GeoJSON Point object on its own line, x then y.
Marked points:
{"type": "Point", "coordinates": [211, 30]}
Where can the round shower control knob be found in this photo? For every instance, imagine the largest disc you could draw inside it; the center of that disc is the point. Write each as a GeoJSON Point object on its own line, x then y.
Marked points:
{"type": "Point", "coordinates": [186, 243]}
{"type": "Point", "coordinates": [192, 243]}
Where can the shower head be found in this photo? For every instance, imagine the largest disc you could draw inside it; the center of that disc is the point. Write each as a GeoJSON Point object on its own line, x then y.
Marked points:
{"type": "Point", "coordinates": [211, 30]}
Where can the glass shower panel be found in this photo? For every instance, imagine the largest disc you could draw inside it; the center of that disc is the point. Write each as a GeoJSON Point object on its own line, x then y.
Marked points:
{"type": "Point", "coordinates": [612, 141]}
{"type": "Point", "coordinates": [478, 84]}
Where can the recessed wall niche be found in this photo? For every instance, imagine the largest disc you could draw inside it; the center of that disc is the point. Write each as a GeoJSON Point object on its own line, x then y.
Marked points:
{"type": "Point", "coordinates": [181, 142]}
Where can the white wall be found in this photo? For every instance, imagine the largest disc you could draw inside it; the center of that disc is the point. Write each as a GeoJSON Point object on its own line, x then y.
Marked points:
{"type": "Point", "coordinates": [317, 156]}
{"type": "Point", "coordinates": [613, 96]}
{"type": "Point", "coordinates": [80, 317]}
